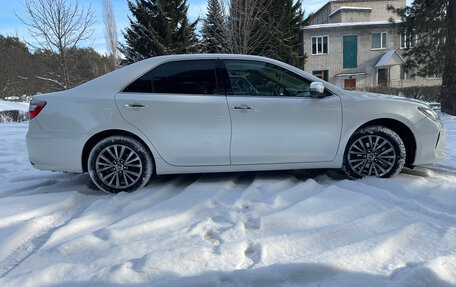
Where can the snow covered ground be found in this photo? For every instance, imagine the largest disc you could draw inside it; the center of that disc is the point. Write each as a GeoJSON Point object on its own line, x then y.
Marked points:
{"type": "Point", "coordinates": [8, 106]}
{"type": "Point", "coordinates": [303, 228]}
{"type": "Point", "coordinates": [20, 111]}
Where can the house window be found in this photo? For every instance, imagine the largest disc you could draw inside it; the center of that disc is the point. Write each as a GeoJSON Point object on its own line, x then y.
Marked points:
{"type": "Point", "coordinates": [435, 76]}
{"type": "Point", "coordinates": [379, 40]}
{"type": "Point", "coordinates": [323, 74]}
{"type": "Point", "coordinates": [437, 38]}
{"type": "Point", "coordinates": [319, 45]}
{"type": "Point", "coordinates": [408, 41]}
{"type": "Point", "coordinates": [408, 74]}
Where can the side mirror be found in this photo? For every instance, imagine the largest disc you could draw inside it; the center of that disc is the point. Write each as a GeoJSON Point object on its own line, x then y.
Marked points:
{"type": "Point", "coordinates": [317, 90]}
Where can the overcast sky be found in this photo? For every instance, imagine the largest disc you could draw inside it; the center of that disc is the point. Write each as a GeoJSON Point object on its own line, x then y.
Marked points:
{"type": "Point", "coordinates": [11, 26]}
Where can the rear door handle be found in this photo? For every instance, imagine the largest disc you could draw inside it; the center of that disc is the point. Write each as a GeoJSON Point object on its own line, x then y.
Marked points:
{"type": "Point", "coordinates": [243, 108]}
{"type": "Point", "coordinates": [135, 106]}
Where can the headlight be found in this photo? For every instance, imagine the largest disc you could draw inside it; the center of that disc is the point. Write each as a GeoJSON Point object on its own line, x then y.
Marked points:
{"type": "Point", "coordinates": [430, 113]}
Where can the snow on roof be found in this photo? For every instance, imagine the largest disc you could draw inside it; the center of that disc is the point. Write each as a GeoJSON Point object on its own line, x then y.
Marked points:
{"type": "Point", "coordinates": [335, 25]}
{"type": "Point", "coordinates": [351, 74]}
{"type": "Point", "coordinates": [364, 9]}
{"type": "Point", "coordinates": [385, 59]}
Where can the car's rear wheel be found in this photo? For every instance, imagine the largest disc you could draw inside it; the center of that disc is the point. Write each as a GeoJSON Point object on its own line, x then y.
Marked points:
{"type": "Point", "coordinates": [120, 163]}
{"type": "Point", "coordinates": [374, 151]}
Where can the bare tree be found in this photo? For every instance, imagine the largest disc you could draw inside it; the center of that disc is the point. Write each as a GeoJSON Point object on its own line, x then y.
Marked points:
{"type": "Point", "coordinates": [110, 32]}
{"type": "Point", "coordinates": [58, 26]}
{"type": "Point", "coordinates": [248, 32]}
{"type": "Point", "coordinates": [241, 27]}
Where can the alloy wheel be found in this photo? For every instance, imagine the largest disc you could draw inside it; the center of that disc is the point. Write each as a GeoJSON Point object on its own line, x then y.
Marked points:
{"type": "Point", "coordinates": [118, 166]}
{"type": "Point", "coordinates": [371, 155]}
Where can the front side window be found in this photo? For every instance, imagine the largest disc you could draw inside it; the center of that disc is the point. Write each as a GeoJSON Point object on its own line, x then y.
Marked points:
{"type": "Point", "coordinates": [379, 40]}
{"type": "Point", "coordinates": [180, 77]}
{"type": "Point", "coordinates": [251, 78]}
{"type": "Point", "coordinates": [319, 45]}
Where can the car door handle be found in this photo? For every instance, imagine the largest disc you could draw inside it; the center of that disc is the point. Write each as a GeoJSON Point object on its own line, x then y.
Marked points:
{"type": "Point", "coordinates": [135, 106]}
{"type": "Point", "coordinates": [243, 108]}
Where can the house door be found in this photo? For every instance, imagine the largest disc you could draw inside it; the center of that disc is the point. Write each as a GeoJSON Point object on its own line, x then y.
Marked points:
{"type": "Point", "coordinates": [350, 84]}
{"type": "Point", "coordinates": [382, 77]}
{"type": "Point", "coordinates": [350, 57]}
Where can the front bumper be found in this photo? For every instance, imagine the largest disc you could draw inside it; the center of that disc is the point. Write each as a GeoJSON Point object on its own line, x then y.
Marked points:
{"type": "Point", "coordinates": [54, 151]}
{"type": "Point", "coordinates": [431, 142]}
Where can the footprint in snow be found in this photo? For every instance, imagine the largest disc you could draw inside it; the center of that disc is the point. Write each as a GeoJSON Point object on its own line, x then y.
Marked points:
{"type": "Point", "coordinates": [253, 223]}
{"type": "Point", "coordinates": [211, 237]}
{"type": "Point", "coordinates": [252, 255]}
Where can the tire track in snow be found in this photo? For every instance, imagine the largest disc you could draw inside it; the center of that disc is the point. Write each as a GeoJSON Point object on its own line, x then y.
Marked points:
{"type": "Point", "coordinates": [27, 187]}
{"type": "Point", "coordinates": [110, 209]}
{"type": "Point", "coordinates": [397, 198]}
{"type": "Point", "coordinates": [133, 227]}
{"type": "Point", "coordinates": [35, 239]}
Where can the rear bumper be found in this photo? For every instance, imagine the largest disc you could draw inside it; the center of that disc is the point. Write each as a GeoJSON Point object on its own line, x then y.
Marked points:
{"type": "Point", "coordinates": [431, 142]}
{"type": "Point", "coordinates": [54, 151]}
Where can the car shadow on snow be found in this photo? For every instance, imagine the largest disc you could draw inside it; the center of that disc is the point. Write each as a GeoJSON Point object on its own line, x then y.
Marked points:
{"type": "Point", "coordinates": [244, 177]}
{"type": "Point", "coordinates": [83, 184]}
{"type": "Point", "coordinates": [430, 170]}
{"type": "Point", "coordinates": [294, 274]}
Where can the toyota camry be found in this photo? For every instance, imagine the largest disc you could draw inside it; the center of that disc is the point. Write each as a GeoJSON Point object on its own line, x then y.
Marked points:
{"type": "Point", "coordinates": [222, 113]}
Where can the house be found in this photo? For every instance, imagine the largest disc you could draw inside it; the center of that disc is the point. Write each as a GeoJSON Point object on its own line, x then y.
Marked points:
{"type": "Point", "coordinates": [353, 44]}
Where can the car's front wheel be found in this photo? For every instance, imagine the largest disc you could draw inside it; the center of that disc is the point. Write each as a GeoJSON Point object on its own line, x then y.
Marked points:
{"type": "Point", "coordinates": [374, 151]}
{"type": "Point", "coordinates": [120, 163]}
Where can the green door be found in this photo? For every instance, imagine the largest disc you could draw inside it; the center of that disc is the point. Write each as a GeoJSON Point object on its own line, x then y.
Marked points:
{"type": "Point", "coordinates": [350, 52]}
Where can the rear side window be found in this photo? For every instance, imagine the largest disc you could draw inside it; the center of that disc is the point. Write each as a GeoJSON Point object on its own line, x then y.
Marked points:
{"type": "Point", "coordinates": [141, 85]}
{"type": "Point", "coordinates": [181, 77]}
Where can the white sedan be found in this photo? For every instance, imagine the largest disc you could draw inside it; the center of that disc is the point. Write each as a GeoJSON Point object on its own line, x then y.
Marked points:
{"type": "Point", "coordinates": [222, 113]}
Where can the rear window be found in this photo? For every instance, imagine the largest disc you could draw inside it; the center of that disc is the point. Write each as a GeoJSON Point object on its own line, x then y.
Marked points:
{"type": "Point", "coordinates": [180, 77]}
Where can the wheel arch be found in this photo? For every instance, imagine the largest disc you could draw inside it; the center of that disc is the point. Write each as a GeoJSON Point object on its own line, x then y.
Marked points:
{"type": "Point", "coordinates": [402, 130]}
{"type": "Point", "coordinates": [96, 138]}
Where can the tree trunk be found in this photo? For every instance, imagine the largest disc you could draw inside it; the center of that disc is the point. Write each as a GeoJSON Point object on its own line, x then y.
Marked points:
{"type": "Point", "coordinates": [64, 65]}
{"type": "Point", "coordinates": [448, 91]}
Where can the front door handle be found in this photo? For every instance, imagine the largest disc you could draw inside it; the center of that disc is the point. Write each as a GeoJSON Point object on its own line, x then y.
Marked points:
{"type": "Point", "coordinates": [243, 108]}
{"type": "Point", "coordinates": [135, 106]}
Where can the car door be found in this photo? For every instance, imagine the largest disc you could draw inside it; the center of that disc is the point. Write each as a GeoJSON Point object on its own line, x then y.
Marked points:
{"type": "Point", "coordinates": [274, 118]}
{"type": "Point", "coordinates": [178, 106]}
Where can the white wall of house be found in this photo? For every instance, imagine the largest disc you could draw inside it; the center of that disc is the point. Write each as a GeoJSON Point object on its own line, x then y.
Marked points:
{"type": "Point", "coordinates": [363, 23]}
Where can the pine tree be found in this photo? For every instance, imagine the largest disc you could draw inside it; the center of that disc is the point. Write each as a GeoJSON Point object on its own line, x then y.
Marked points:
{"type": "Point", "coordinates": [287, 35]}
{"type": "Point", "coordinates": [433, 23]}
{"type": "Point", "coordinates": [213, 30]}
{"type": "Point", "coordinates": [159, 27]}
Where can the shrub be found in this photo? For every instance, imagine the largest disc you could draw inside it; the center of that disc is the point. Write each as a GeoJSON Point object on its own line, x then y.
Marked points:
{"type": "Point", "coordinates": [427, 94]}
{"type": "Point", "coordinates": [13, 116]}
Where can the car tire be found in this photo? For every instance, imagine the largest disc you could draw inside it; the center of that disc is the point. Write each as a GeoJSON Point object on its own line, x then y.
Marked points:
{"type": "Point", "coordinates": [374, 151]}
{"type": "Point", "coordinates": [120, 163]}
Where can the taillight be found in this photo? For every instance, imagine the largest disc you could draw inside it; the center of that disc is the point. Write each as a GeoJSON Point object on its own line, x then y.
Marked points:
{"type": "Point", "coordinates": [35, 108]}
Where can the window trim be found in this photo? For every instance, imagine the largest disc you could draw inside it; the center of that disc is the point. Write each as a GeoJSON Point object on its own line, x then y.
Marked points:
{"type": "Point", "coordinates": [311, 45]}
{"type": "Point", "coordinates": [381, 41]}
